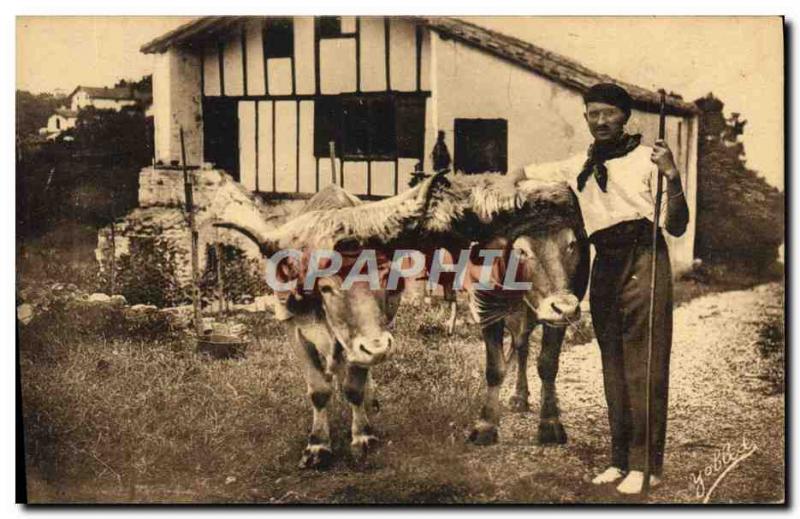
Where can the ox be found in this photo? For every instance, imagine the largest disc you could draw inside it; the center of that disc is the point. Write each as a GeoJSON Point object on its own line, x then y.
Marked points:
{"type": "Point", "coordinates": [336, 330]}
{"type": "Point", "coordinates": [541, 223]}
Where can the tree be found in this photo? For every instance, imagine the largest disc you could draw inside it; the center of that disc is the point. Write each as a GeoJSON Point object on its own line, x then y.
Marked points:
{"type": "Point", "coordinates": [740, 217]}
{"type": "Point", "coordinates": [33, 110]}
{"type": "Point", "coordinates": [88, 175]}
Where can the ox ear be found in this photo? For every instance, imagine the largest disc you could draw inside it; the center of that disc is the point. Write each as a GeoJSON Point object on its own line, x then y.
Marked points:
{"type": "Point", "coordinates": [265, 244]}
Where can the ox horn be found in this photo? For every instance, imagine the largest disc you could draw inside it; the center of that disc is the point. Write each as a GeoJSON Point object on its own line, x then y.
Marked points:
{"type": "Point", "coordinates": [251, 224]}
{"type": "Point", "coordinates": [267, 247]}
{"type": "Point", "coordinates": [384, 220]}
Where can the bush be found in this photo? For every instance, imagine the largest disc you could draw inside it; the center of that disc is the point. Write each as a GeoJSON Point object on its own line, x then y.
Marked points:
{"type": "Point", "coordinates": [740, 218]}
{"type": "Point", "coordinates": [89, 180]}
{"type": "Point", "coordinates": [240, 275]}
{"type": "Point", "coordinates": [148, 273]}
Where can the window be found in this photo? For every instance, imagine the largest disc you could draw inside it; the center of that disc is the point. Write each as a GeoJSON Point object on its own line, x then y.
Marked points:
{"type": "Point", "coordinates": [278, 38]}
{"type": "Point", "coordinates": [411, 127]}
{"type": "Point", "coordinates": [330, 26]}
{"type": "Point", "coordinates": [336, 26]}
{"type": "Point", "coordinates": [481, 145]}
{"type": "Point", "coordinates": [369, 127]}
{"type": "Point", "coordinates": [362, 127]}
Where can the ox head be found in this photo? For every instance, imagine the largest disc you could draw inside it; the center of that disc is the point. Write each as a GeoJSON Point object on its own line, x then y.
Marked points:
{"type": "Point", "coordinates": [358, 310]}
{"type": "Point", "coordinates": [538, 222]}
{"type": "Point", "coordinates": [546, 234]}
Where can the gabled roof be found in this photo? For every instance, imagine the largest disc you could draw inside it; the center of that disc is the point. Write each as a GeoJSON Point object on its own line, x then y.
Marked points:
{"type": "Point", "coordinates": [118, 93]}
{"type": "Point", "coordinates": [548, 64]}
{"type": "Point", "coordinates": [199, 28]}
{"type": "Point", "coordinates": [519, 52]}
{"type": "Point", "coordinates": [66, 112]}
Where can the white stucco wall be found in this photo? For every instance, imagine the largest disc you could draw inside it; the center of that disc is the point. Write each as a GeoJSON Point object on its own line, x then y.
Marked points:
{"type": "Point", "coordinates": [81, 100]}
{"type": "Point", "coordinates": [176, 104]}
{"type": "Point", "coordinates": [545, 119]}
{"type": "Point", "coordinates": [59, 123]}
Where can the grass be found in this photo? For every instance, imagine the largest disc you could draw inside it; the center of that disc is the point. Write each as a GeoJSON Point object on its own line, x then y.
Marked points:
{"type": "Point", "coordinates": [114, 412]}
{"type": "Point", "coordinates": [120, 409]}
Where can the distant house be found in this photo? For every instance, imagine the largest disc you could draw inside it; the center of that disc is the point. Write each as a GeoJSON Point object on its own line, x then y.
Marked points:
{"type": "Point", "coordinates": [62, 119]}
{"type": "Point", "coordinates": [100, 98]}
{"type": "Point", "coordinates": [261, 98]}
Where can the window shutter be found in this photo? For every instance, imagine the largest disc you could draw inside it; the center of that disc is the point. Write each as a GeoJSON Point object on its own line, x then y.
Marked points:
{"type": "Point", "coordinates": [411, 127]}
{"type": "Point", "coordinates": [481, 145]}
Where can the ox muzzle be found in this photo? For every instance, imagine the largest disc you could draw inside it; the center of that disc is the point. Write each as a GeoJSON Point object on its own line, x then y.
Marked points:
{"type": "Point", "coordinates": [559, 310]}
{"type": "Point", "coordinates": [366, 351]}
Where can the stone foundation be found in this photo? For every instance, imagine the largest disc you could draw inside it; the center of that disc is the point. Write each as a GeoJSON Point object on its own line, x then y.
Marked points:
{"type": "Point", "coordinates": [161, 214]}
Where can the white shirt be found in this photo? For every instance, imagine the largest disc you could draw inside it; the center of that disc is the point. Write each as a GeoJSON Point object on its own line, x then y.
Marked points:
{"type": "Point", "coordinates": [630, 191]}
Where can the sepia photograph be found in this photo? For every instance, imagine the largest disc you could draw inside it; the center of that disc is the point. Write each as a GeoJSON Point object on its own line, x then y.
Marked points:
{"type": "Point", "coordinates": [400, 260]}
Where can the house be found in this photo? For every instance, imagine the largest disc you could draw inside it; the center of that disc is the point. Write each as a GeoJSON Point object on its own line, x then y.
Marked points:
{"type": "Point", "coordinates": [262, 97]}
{"type": "Point", "coordinates": [62, 119]}
{"type": "Point", "coordinates": [102, 98]}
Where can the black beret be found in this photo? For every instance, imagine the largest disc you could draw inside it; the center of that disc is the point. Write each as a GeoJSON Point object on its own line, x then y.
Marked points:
{"type": "Point", "coordinates": [611, 94]}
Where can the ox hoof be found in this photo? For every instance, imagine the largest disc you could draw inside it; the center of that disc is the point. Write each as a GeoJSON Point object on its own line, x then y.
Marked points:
{"type": "Point", "coordinates": [362, 445]}
{"type": "Point", "coordinates": [316, 457]}
{"type": "Point", "coordinates": [552, 432]}
{"type": "Point", "coordinates": [483, 433]}
{"type": "Point", "coordinates": [518, 404]}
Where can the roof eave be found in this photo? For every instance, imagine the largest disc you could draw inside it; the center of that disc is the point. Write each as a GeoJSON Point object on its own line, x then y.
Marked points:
{"type": "Point", "coordinates": [204, 26]}
{"type": "Point", "coordinates": [643, 99]}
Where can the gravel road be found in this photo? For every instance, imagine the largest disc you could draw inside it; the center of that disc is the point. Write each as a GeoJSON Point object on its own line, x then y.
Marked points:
{"type": "Point", "coordinates": [717, 397]}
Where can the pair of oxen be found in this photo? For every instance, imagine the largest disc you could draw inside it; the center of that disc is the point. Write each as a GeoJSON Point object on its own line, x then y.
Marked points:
{"type": "Point", "coordinates": [339, 330]}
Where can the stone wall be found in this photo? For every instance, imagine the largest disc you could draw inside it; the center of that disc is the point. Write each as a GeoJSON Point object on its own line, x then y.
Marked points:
{"type": "Point", "coordinates": [161, 214]}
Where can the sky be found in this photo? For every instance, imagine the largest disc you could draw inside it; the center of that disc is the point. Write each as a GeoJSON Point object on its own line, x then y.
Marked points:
{"type": "Point", "coordinates": [739, 59]}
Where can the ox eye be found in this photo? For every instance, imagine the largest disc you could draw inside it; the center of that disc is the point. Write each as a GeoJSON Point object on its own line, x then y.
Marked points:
{"type": "Point", "coordinates": [522, 253]}
{"type": "Point", "coordinates": [326, 289]}
{"type": "Point", "coordinates": [572, 245]}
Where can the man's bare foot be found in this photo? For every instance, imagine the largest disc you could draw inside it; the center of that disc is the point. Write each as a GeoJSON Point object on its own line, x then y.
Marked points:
{"type": "Point", "coordinates": [632, 484]}
{"type": "Point", "coordinates": [610, 475]}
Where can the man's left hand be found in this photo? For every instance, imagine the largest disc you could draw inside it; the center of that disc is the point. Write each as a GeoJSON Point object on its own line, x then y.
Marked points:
{"type": "Point", "coordinates": [662, 157]}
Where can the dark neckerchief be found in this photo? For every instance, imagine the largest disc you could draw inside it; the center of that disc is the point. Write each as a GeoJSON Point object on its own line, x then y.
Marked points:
{"type": "Point", "coordinates": [598, 155]}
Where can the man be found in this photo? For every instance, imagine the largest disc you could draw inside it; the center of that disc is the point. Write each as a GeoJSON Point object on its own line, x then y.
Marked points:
{"type": "Point", "coordinates": [616, 187]}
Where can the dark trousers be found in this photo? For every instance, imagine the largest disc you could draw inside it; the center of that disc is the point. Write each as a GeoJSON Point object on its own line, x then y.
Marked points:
{"type": "Point", "coordinates": [620, 304]}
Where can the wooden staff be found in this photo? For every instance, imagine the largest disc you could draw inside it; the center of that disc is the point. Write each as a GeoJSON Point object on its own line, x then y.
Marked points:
{"type": "Point", "coordinates": [189, 194]}
{"type": "Point", "coordinates": [113, 287]}
{"type": "Point", "coordinates": [220, 287]}
{"type": "Point", "coordinates": [662, 119]}
{"type": "Point", "coordinates": [332, 149]}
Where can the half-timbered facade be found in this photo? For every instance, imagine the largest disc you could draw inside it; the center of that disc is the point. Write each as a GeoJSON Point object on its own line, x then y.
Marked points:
{"type": "Point", "coordinates": [262, 98]}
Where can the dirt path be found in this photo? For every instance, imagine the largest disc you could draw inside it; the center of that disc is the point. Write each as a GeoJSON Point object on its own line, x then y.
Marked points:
{"type": "Point", "coordinates": [716, 397]}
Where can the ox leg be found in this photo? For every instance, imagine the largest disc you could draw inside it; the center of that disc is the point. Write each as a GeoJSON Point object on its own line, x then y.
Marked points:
{"type": "Point", "coordinates": [317, 454]}
{"type": "Point", "coordinates": [485, 430]}
{"type": "Point", "coordinates": [519, 401]}
{"type": "Point", "coordinates": [550, 428]}
{"type": "Point", "coordinates": [355, 388]}
{"type": "Point", "coordinates": [371, 395]}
